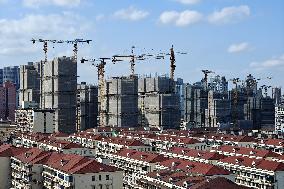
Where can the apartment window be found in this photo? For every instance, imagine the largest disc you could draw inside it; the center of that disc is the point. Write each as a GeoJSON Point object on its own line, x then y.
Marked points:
{"type": "Point", "coordinates": [107, 177]}
{"type": "Point", "coordinates": [93, 178]}
{"type": "Point", "coordinates": [100, 186]}
{"type": "Point", "coordinates": [100, 177]}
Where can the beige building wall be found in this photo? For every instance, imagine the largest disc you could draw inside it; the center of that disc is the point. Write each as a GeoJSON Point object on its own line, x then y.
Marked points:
{"type": "Point", "coordinates": [5, 172]}
{"type": "Point", "coordinates": [85, 181]}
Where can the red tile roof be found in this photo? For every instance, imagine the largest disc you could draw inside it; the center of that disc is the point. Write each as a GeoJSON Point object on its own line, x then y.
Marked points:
{"type": "Point", "coordinates": [7, 150]}
{"type": "Point", "coordinates": [257, 163]}
{"type": "Point", "coordinates": [217, 183]}
{"type": "Point", "coordinates": [196, 153]}
{"type": "Point", "coordinates": [247, 151]}
{"type": "Point", "coordinates": [194, 167]}
{"type": "Point", "coordinates": [273, 142]}
{"type": "Point", "coordinates": [123, 141]}
{"type": "Point", "coordinates": [142, 156]}
{"type": "Point", "coordinates": [61, 143]}
{"type": "Point", "coordinates": [71, 164]}
{"type": "Point", "coordinates": [33, 156]}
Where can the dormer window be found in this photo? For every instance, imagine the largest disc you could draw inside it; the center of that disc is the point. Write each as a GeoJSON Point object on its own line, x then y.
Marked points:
{"type": "Point", "coordinates": [63, 162]}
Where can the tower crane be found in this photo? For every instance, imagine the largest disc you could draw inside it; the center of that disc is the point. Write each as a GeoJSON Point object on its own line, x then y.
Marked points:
{"type": "Point", "coordinates": [133, 58]}
{"type": "Point", "coordinates": [45, 45]}
{"type": "Point", "coordinates": [101, 83]}
{"type": "Point", "coordinates": [206, 73]}
{"type": "Point", "coordinates": [265, 87]}
{"type": "Point", "coordinates": [75, 43]}
{"type": "Point", "coordinates": [235, 81]}
{"type": "Point", "coordinates": [45, 50]}
{"type": "Point", "coordinates": [173, 66]}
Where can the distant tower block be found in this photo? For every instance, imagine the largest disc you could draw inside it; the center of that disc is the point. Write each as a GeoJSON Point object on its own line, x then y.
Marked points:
{"type": "Point", "coordinates": [121, 109]}
{"type": "Point", "coordinates": [59, 86]}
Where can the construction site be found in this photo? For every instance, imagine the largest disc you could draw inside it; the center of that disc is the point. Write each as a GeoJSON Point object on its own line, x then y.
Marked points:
{"type": "Point", "coordinates": [160, 101]}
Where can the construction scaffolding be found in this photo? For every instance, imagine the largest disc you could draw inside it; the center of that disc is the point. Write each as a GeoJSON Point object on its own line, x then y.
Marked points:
{"type": "Point", "coordinates": [158, 104]}
{"type": "Point", "coordinates": [59, 85]}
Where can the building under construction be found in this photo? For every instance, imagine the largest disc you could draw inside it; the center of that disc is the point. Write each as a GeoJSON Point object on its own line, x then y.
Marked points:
{"type": "Point", "coordinates": [58, 92]}
{"type": "Point", "coordinates": [158, 102]}
{"type": "Point", "coordinates": [121, 102]}
{"type": "Point", "coordinates": [219, 109]}
{"type": "Point", "coordinates": [87, 106]}
{"type": "Point", "coordinates": [29, 83]}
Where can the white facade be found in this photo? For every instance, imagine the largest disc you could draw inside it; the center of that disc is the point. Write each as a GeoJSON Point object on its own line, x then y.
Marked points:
{"type": "Point", "coordinates": [53, 178]}
{"type": "Point", "coordinates": [35, 121]}
{"type": "Point", "coordinates": [279, 118]}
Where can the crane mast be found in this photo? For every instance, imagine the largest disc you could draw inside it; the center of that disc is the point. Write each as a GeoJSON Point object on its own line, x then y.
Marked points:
{"type": "Point", "coordinates": [101, 84]}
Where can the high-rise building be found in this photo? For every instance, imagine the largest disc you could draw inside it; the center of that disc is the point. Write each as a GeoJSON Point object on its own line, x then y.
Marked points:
{"type": "Point", "coordinates": [12, 74]}
{"type": "Point", "coordinates": [276, 95]}
{"type": "Point", "coordinates": [30, 83]}
{"type": "Point", "coordinates": [195, 104]}
{"type": "Point", "coordinates": [219, 109]}
{"type": "Point", "coordinates": [159, 104]}
{"type": "Point", "coordinates": [35, 120]}
{"type": "Point", "coordinates": [279, 118]}
{"type": "Point", "coordinates": [179, 91]}
{"type": "Point", "coordinates": [87, 106]}
{"type": "Point", "coordinates": [7, 101]}
{"type": "Point", "coordinates": [267, 108]}
{"type": "Point", "coordinates": [1, 76]}
{"type": "Point", "coordinates": [58, 92]}
{"type": "Point", "coordinates": [218, 84]}
{"type": "Point", "coordinates": [121, 108]}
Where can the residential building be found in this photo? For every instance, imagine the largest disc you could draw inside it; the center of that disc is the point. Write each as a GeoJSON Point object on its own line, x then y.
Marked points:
{"type": "Point", "coordinates": [35, 120]}
{"type": "Point", "coordinates": [6, 151]}
{"type": "Point", "coordinates": [159, 102]}
{"type": "Point", "coordinates": [196, 103]}
{"type": "Point", "coordinates": [58, 92]}
{"type": "Point", "coordinates": [73, 171]}
{"type": "Point", "coordinates": [12, 74]}
{"type": "Point", "coordinates": [219, 109]}
{"type": "Point", "coordinates": [121, 103]}
{"type": "Point", "coordinates": [7, 129]}
{"type": "Point", "coordinates": [276, 95]}
{"type": "Point", "coordinates": [255, 173]}
{"type": "Point", "coordinates": [30, 83]}
{"type": "Point", "coordinates": [87, 106]}
{"type": "Point", "coordinates": [279, 118]}
{"type": "Point", "coordinates": [27, 168]}
{"type": "Point", "coordinates": [1, 76]}
{"type": "Point", "coordinates": [7, 101]}
{"type": "Point", "coordinates": [134, 163]}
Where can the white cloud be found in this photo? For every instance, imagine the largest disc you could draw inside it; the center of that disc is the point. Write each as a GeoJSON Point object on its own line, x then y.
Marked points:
{"type": "Point", "coordinates": [240, 47]}
{"type": "Point", "coordinates": [229, 15]}
{"type": "Point", "coordinates": [274, 62]}
{"type": "Point", "coordinates": [100, 17]}
{"type": "Point", "coordinates": [15, 34]}
{"type": "Point", "coordinates": [3, 1]}
{"type": "Point", "coordinates": [62, 3]}
{"type": "Point", "coordinates": [131, 13]}
{"type": "Point", "coordinates": [188, 2]}
{"type": "Point", "coordinates": [183, 18]}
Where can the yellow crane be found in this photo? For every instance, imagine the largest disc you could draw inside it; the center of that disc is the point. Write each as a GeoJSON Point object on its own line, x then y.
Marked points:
{"type": "Point", "coordinates": [101, 84]}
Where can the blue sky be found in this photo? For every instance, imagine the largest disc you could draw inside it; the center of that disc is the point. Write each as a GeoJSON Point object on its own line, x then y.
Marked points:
{"type": "Point", "coordinates": [231, 37]}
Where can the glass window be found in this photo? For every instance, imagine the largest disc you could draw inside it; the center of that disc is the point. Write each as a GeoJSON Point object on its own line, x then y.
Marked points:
{"type": "Point", "coordinates": [107, 177]}
{"type": "Point", "coordinates": [93, 178]}
{"type": "Point", "coordinates": [100, 177]}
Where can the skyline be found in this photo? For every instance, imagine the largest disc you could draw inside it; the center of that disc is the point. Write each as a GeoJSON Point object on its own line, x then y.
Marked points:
{"type": "Point", "coordinates": [232, 38]}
